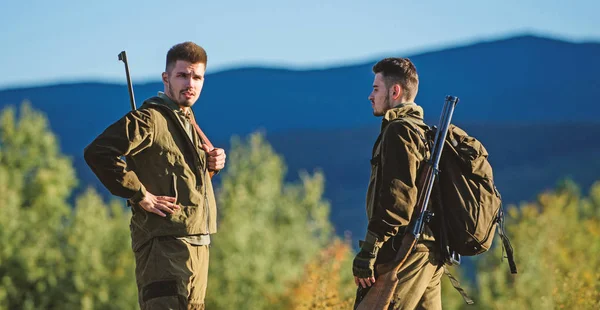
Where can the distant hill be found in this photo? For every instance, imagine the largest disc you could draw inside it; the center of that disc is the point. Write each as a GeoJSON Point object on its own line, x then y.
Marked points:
{"type": "Point", "coordinates": [533, 101]}
{"type": "Point", "coordinates": [527, 159]}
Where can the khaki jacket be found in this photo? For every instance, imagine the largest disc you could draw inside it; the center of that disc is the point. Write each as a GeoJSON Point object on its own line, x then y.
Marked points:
{"type": "Point", "coordinates": [397, 157]}
{"type": "Point", "coordinates": [161, 159]}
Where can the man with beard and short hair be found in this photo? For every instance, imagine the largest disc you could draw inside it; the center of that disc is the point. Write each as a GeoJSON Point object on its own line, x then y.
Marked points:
{"type": "Point", "coordinates": [398, 154]}
{"type": "Point", "coordinates": [167, 181]}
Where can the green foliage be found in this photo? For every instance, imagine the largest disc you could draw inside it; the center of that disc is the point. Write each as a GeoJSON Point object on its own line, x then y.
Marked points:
{"type": "Point", "coordinates": [451, 298]}
{"type": "Point", "coordinates": [53, 256]}
{"type": "Point", "coordinates": [36, 174]}
{"type": "Point", "coordinates": [326, 283]}
{"type": "Point", "coordinates": [557, 245]}
{"type": "Point", "coordinates": [268, 229]}
{"type": "Point", "coordinates": [36, 181]}
{"type": "Point", "coordinates": [98, 255]}
{"type": "Point", "coordinates": [274, 249]}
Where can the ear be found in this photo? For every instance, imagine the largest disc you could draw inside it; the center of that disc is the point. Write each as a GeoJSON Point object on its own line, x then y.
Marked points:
{"type": "Point", "coordinates": [165, 78]}
{"type": "Point", "coordinates": [396, 92]}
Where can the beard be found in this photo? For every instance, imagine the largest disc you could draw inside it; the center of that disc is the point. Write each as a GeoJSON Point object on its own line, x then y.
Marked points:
{"type": "Point", "coordinates": [383, 108]}
{"type": "Point", "coordinates": [188, 103]}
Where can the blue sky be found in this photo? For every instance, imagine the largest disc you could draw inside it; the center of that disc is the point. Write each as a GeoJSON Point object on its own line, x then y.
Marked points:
{"type": "Point", "coordinates": [60, 41]}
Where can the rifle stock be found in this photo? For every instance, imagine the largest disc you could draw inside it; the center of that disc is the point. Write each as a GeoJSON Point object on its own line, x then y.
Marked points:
{"type": "Point", "coordinates": [380, 294]}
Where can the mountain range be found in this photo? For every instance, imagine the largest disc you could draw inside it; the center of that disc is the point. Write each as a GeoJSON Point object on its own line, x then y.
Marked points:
{"type": "Point", "coordinates": [532, 101]}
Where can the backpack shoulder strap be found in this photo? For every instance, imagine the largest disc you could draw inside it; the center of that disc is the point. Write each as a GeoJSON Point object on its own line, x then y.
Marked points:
{"type": "Point", "coordinates": [506, 246]}
{"type": "Point", "coordinates": [418, 126]}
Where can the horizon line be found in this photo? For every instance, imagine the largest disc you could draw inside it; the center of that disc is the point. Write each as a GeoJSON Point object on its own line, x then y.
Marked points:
{"type": "Point", "coordinates": [306, 68]}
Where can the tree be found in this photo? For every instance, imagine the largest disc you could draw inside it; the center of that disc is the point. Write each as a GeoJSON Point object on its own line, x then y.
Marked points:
{"type": "Point", "coordinates": [557, 245]}
{"type": "Point", "coordinates": [37, 181]}
{"type": "Point", "coordinates": [327, 282]}
{"type": "Point", "coordinates": [53, 256]}
{"type": "Point", "coordinates": [97, 251]}
{"type": "Point", "coordinates": [57, 256]}
{"type": "Point", "coordinates": [268, 229]}
{"type": "Point", "coordinates": [274, 248]}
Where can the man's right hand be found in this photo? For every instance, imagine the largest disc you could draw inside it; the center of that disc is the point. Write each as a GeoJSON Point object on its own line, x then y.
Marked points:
{"type": "Point", "coordinates": [159, 204]}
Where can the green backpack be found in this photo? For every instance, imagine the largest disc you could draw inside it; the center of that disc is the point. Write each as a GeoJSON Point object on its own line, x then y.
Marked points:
{"type": "Point", "coordinates": [468, 207]}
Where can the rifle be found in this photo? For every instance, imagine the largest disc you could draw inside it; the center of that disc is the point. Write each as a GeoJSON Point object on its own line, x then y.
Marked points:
{"type": "Point", "coordinates": [123, 57]}
{"type": "Point", "coordinates": [380, 294]}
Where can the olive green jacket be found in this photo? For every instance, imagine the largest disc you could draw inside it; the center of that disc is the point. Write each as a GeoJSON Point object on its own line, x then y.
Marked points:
{"type": "Point", "coordinates": [398, 155]}
{"type": "Point", "coordinates": [161, 159]}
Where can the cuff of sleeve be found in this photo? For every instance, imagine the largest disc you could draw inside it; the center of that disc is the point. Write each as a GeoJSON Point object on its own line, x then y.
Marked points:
{"type": "Point", "coordinates": [372, 242]}
{"type": "Point", "coordinates": [381, 229]}
{"type": "Point", "coordinates": [138, 196]}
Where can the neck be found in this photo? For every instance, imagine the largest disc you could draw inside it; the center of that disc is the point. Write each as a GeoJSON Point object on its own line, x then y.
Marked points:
{"type": "Point", "coordinates": [185, 109]}
{"type": "Point", "coordinates": [400, 102]}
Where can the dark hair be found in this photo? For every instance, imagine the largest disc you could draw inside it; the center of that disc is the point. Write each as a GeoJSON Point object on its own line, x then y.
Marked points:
{"type": "Point", "coordinates": [399, 71]}
{"type": "Point", "coordinates": [187, 51]}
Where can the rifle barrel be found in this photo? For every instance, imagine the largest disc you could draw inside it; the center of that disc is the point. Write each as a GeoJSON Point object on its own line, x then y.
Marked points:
{"type": "Point", "coordinates": [440, 139]}
{"type": "Point", "coordinates": [123, 58]}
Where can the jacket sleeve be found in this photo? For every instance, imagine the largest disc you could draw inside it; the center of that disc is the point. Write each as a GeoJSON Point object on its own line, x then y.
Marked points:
{"type": "Point", "coordinates": [128, 136]}
{"type": "Point", "coordinates": [397, 193]}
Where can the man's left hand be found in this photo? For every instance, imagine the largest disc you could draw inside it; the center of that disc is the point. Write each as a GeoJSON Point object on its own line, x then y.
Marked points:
{"type": "Point", "coordinates": [363, 266]}
{"type": "Point", "coordinates": [216, 157]}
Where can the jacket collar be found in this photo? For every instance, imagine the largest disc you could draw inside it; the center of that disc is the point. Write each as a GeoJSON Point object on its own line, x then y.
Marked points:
{"type": "Point", "coordinates": [172, 105]}
{"type": "Point", "coordinates": [402, 110]}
